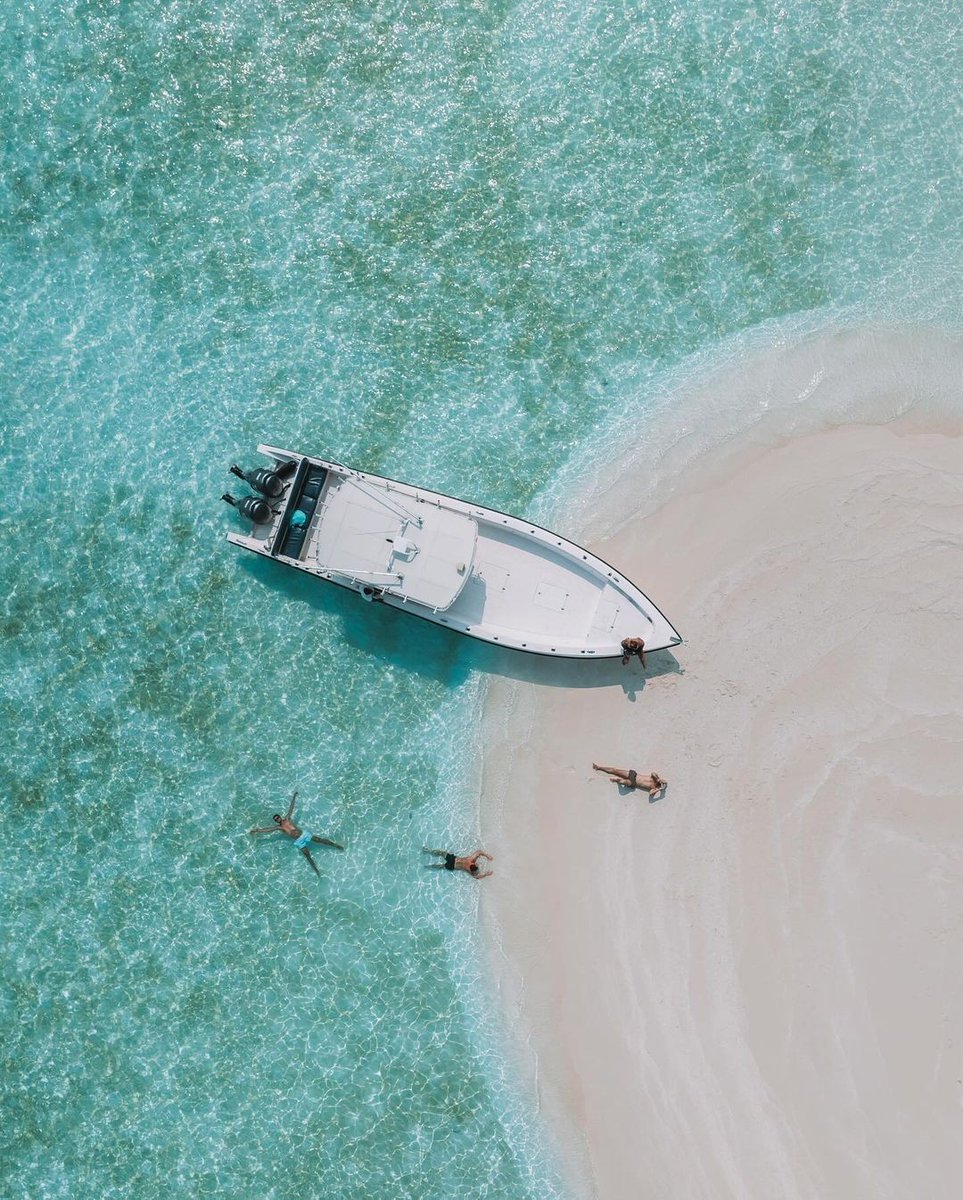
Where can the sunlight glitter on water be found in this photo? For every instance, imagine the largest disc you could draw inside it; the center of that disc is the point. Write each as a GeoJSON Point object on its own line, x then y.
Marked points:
{"type": "Point", "coordinates": [451, 245]}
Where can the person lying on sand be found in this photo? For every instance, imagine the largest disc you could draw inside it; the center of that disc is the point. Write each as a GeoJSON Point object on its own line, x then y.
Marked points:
{"type": "Point", "coordinates": [452, 863]}
{"type": "Point", "coordinates": [632, 646]}
{"type": "Point", "coordinates": [302, 838]}
{"type": "Point", "coordinates": [653, 784]}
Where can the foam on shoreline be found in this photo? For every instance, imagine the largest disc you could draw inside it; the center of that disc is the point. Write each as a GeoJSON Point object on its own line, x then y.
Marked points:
{"type": "Point", "coordinates": [750, 988]}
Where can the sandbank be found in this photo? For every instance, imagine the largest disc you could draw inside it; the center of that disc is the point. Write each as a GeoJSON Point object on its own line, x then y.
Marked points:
{"type": "Point", "coordinates": [753, 987]}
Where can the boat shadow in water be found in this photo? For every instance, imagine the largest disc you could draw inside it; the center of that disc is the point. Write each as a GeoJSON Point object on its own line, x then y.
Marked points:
{"type": "Point", "coordinates": [424, 648]}
{"type": "Point", "coordinates": [387, 637]}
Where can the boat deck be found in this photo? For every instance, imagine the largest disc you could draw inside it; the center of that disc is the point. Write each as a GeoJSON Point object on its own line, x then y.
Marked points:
{"type": "Point", "coordinates": [422, 556]}
{"type": "Point", "coordinates": [513, 575]}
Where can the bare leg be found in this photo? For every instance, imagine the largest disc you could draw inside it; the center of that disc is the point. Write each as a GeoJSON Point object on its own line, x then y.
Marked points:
{"type": "Point", "coordinates": [307, 854]}
{"type": "Point", "coordinates": [440, 853]}
{"type": "Point", "coordinates": [616, 771]}
{"type": "Point", "coordinates": [323, 841]}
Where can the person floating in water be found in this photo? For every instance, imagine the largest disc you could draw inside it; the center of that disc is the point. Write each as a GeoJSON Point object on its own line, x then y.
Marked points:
{"type": "Point", "coordinates": [653, 784]}
{"type": "Point", "coordinates": [302, 838]}
{"type": "Point", "coordinates": [632, 646]}
{"type": "Point", "coordinates": [453, 863]}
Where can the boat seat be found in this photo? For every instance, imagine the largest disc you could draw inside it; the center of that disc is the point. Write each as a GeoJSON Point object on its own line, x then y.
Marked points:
{"type": "Point", "coordinates": [293, 532]}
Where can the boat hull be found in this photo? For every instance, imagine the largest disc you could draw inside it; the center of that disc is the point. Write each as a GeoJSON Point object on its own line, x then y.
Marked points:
{"type": "Point", "coordinates": [472, 569]}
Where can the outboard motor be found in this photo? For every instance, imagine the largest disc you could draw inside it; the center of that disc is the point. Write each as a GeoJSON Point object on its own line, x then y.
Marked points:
{"type": "Point", "coordinates": [253, 507]}
{"type": "Point", "coordinates": [286, 468]}
{"type": "Point", "coordinates": [268, 483]}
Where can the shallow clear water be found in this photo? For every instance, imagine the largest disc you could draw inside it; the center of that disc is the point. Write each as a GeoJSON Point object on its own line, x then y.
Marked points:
{"type": "Point", "coordinates": [443, 241]}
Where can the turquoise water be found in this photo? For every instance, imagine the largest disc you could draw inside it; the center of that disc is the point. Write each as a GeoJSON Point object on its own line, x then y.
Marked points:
{"type": "Point", "coordinates": [447, 242]}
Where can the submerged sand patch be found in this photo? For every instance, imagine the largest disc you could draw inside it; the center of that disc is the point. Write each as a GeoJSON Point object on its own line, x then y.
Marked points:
{"type": "Point", "coordinates": [754, 987]}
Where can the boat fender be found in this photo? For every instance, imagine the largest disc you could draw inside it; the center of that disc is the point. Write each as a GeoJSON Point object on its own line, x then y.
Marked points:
{"type": "Point", "coordinates": [254, 508]}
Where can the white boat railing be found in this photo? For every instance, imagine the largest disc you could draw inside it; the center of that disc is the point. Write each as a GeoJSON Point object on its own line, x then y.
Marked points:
{"type": "Point", "coordinates": [392, 505]}
{"type": "Point", "coordinates": [356, 575]}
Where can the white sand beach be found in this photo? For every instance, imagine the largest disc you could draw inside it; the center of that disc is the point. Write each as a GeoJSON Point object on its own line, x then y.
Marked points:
{"type": "Point", "coordinates": [753, 987]}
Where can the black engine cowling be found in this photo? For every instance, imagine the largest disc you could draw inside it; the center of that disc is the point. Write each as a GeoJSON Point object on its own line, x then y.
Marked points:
{"type": "Point", "coordinates": [255, 508]}
{"type": "Point", "coordinates": [268, 483]}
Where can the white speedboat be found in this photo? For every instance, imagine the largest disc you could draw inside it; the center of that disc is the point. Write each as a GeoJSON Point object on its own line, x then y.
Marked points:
{"type": "Point", "coordinates": [469, 568]}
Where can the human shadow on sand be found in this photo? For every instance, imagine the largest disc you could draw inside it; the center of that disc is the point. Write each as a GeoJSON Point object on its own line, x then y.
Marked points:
{"type": "Point", "coordinates": [417, 645]}
{"type": "Point", "coordinates": [637, 793]}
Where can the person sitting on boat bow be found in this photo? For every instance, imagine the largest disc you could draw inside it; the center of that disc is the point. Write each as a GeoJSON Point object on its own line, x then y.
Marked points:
{"type": "Point", "coordinates": [630, 646]}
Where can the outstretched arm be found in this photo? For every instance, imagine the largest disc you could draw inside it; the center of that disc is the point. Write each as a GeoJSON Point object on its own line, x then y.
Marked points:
{"type": "Point", "coordinates": [483, 874]}
{"type": "Point", "coordinates": [287, 815]}
{"type": "Point", "coordinates": [266, 829]}
{"type": "Point", "coordinates": [484, 854]}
